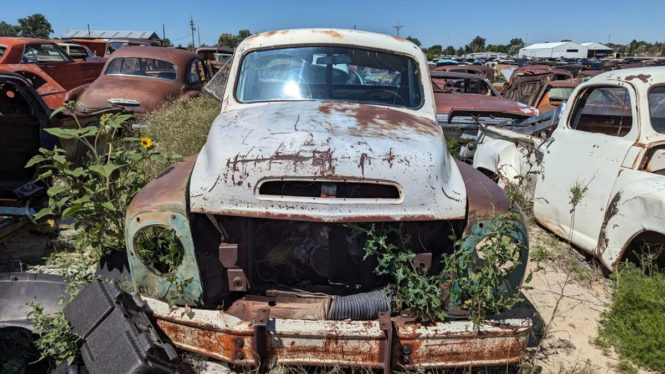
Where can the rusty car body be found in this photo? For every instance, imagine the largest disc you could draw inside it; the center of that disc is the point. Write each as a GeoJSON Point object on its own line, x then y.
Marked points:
{"type": "Point", "coordinates": [303, 149]}
{"type": "Point", "coordinates": [481, 70]}
{"type": "Point", "coordinates": [140, 79]}
{"type": "Point", "coordinates": [527, 81]}
{"type": "Point", "coordinates": [612, 130]}
{"type": "Point", "coordinates": [44, 63]}
{"type": "Point", "coordinates": [552, 94]}
{"type": "Point", "coordinates": [464, 99]}
{"type": "Point", "coordinates": [78, 51]}
{"type": "Point", "coordinates": [215, 58]}
{"type": "Point", "coordinates": [103, 47]}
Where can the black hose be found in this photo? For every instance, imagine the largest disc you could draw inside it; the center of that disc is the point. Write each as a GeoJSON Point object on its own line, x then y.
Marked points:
{"type": "Point", "coordinates": [361, 306]}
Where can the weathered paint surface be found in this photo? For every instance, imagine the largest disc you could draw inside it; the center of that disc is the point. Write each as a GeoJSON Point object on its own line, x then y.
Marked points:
{"type": "Point", "coordinates": [346, 343]}
{"type": "Point", "coordinates": [621, 175]}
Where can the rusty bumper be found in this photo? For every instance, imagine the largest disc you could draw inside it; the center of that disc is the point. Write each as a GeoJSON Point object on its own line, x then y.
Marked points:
{"type": "Point", "coordinates": [387, 343]}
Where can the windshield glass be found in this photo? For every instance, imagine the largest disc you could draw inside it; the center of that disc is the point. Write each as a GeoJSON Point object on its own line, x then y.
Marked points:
{"type": "Point", "coordinates": [329, 73]}
{"type": "Point", "coordinates": [143, 67]}
{"type": "Point", "coordinates": [657, 108]}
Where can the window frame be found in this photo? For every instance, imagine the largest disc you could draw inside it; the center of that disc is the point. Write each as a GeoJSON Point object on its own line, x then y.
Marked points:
{"type": "Point", "coordinates": [649, 106]}
{"type": "Point", "coordinates": [175, 68]}
{"type": "Point", "coordinates": [578, 97]}
{"type": "Point", "coordinates": [249, 51]}
{"type": "Point", "coordinates": [57, 48]}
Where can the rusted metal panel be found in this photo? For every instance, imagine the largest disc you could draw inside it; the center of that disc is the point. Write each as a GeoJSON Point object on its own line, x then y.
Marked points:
{"type": "Point", "coordinates": [346, 343]}
{"type": "Point", "coordinates": [326, 142]}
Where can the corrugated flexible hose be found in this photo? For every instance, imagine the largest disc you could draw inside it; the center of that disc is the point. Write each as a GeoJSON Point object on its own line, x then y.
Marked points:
{"type": "Point", "coordinates": [361, 306]}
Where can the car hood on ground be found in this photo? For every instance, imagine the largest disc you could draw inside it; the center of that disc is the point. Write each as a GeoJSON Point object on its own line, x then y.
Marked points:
{"type": "Point", "coordinates": [326, 142]}
{"type": "Point", "coordinates": [447, 103]}
{"type": "Point", "coordinates": [149, 92]}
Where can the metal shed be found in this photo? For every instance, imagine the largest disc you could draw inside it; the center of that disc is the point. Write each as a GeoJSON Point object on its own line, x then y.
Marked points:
{"type": "Point", "coordinates": [554, 50]}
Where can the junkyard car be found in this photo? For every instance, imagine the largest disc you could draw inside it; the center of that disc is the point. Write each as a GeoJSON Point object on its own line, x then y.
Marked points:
{"type": "Point", "coordinates": [78, 52]}
{"type": "Point", "coordinates": [463, 99]}
{"type": "Point", "coordinates": [609, 147]}
{"type": "Point", "coordinates": [527, 81]}
{"type": "Point", "coordinates": [304, 147]}
{"type": "Point", "coordinates": [44, 63]}
{"type": "Point", "coordinates": [140, 79]}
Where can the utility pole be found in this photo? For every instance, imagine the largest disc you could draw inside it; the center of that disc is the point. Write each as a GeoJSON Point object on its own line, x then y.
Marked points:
{"type": "Point", "coordinates": [198, 30]}
{"type": "Point", "coordinates": [163, 32]}
{"type": "Point", "coordinates": [88, 30]}
{"type": "Point", "coordinates": [191, 26]}
{"type": "Point", "coordinates": [398, 27]}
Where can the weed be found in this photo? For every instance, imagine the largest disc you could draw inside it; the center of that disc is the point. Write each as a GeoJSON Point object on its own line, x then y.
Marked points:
{"type": "Point", "coordinates": [633, 325]}
{"type": "Point", "coordinates": [56, 340]}
{"type": "Point", "coordinates": [96, 193]}
{"type": "Point", "coordinates": [416, 290]}
{"type": "Point", "coordinates": [454, 147]}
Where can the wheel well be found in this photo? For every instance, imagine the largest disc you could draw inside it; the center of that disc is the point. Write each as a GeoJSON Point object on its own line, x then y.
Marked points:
{"type": "Point", "coordinates": [646, 246]}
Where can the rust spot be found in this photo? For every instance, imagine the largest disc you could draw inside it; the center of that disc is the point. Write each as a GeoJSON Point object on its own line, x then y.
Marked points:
{"type": "Point", "coordinates": [611, 211]}
{"type": "Point", "coordinates": [269, 33]}
{"type": "Point", "coordinates": [380, 121]}
{"type": "Point", "coordinates": [361, 164]}
{"type": "Point", "coordinates": [332, 33]}
{"type": "Point", "coordinates": [643, 77]}
{"type": "Point", "coordinates": [390, 156]}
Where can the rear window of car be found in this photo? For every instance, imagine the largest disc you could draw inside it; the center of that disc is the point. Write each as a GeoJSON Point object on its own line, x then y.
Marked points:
{"type": "Point", "coordinates": [43, 53]}
{"type": "Point", "coordinates": [657, 108]}
{"type": "Point", "coordinates": [142, 67]}
{"type": "Point", "coordinates": [77, 52]}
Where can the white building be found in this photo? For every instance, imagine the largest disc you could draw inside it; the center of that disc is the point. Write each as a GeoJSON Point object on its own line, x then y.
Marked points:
{"type": "Point", "coordinates": [554, 50]}
{"type": "Point", "coordinates": [598, 50]}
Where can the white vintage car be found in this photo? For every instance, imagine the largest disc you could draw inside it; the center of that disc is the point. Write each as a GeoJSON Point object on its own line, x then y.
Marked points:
{"type": "Point", "coordinates": [610, 145]}
{"type": "Point", "coordinates": [318, 129]}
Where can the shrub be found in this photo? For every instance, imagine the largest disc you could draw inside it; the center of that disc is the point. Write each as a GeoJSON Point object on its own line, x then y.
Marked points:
{"type": "Point", "coordinates": [634, 323]}
{"type": "Point", "coordinates": [181, 126]}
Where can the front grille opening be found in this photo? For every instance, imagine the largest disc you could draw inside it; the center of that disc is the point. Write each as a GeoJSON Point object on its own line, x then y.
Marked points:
{"type": "Point", "coordinates": [341, 190]}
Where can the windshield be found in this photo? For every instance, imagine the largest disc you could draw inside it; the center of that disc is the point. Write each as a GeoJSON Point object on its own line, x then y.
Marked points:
{"type": "Point", "coordinates": [143, 67]}
{"type": "Point", "coordinates": [657, 108]}
{"type": "Point", "coordinates": [329, 73]}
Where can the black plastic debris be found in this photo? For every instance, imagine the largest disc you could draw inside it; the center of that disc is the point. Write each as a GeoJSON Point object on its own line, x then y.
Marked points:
{"type": "Point", "coordinates": [118, 336]}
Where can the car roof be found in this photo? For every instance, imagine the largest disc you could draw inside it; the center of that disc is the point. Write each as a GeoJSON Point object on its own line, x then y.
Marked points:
{"type": "Point", "coordinates": [643, 75]}
{"type": "Point", "coordinates": [178, 56]}
{"type": "Point", "coordinates": [456, 75]}
{"type": "Point", "coordinates": [11, 41]}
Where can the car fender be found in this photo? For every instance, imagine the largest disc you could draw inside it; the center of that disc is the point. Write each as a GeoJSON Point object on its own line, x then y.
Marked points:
{"type": "Point", "coordinates": [636, 208]}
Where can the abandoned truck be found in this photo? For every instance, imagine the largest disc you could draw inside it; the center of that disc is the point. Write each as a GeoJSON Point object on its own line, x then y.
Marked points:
{"type": "Point", "coordinates": [609, 150]}
{"type": "Point", "coordinates": [304, 150]}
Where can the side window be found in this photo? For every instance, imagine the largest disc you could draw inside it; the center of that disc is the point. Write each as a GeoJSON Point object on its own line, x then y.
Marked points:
{"type": "Point", "coordinates": [604, 110]}
{"type": "Point", "coordinates": [196, 73]}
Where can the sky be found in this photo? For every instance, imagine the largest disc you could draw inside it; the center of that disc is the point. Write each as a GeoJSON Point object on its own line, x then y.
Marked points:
{"type": "Point", "coordinates": [432, 22]}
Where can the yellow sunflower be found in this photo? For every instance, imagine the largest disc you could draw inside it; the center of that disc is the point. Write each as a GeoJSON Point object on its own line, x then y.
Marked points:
{"type": "Point", "coordinates": [105, 117]}
{"type": "Point", "coordinates": [146, 142]}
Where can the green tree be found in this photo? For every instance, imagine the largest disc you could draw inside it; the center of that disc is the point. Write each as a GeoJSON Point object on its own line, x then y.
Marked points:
{"type": "Point", "coordinates": [166, 42]}
{"type": "Point", "coordinates": [477, 44]}
{"type": "Point", "coordinates": [450, 50]}
{"type": "Point", "coordinates": [8, 30]}
{"type": "Point", "coordinates": [515, 45]}
{"type": "Point", "coordinates": [460, 51]}
{"type": "Point", "coordinates": [413, 40]}
{"type": "Point", "coordinates": [242, 35]}
{"type": "Point", "coordinates": [227, 40]}
{"type": "Point", "coordinates": [35, 26]}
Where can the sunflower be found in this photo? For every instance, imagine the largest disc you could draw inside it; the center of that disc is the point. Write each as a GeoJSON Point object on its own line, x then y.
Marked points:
{"type": "Point", "coordinates": [146, 142]}
{"type": "Point", "coordinates": [105, 117]}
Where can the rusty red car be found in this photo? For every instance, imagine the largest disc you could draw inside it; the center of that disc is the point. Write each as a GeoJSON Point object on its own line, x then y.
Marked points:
{"type": "Point", "coordinates": [463, 99]}
{"type": "Point", "coordinates": [140, 79]}
{"type": "Point", "coordinates": [47, 66]}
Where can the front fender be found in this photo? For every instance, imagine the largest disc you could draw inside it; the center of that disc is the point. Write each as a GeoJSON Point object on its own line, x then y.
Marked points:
{"type": "Point", "coordinates": [638, 207]}
{"type": "Point", "coordinates": [163, 202]}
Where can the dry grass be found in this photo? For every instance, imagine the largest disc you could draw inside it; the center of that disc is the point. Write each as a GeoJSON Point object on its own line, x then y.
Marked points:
{"type": "Point", "coordinates": [181, 126]}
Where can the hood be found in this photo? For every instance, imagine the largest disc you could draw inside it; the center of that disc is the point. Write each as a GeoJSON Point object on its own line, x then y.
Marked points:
{"type": "Point", "coordinates": [150, 93]}
{"type": "Point", "coordinates": [326, 143]}
{"type": "Point", "coordinates": [447, 103]}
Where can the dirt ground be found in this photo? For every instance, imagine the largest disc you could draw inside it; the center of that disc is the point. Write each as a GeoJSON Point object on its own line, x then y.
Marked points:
{"type": "Point", "coordinates": [568, 284]}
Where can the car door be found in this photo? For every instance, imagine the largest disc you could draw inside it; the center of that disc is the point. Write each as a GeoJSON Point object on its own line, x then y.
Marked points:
{"type": "Point", "coordinates": [55, 62]}
{"type": "Point", "coordinates": [585, 152]}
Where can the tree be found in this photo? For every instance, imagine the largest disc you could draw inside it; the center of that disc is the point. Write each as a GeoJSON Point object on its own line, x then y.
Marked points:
{"type": "Point", "coordinates": [35, 26]}
{"type": "Point", "coordinates": [433, 51]}
{"type": "Point", "coordinates": [413, 40]}
{"type": "Point", "coordinates": [477, 44]}
{"type": "Point", "coordinates": [166, 42]}
{"type": "Point", "coordinates": [227, 40]}
{"type": "Point", "coordinates": [242, 35]}
{"type": "Point", "coordinates": [7, 29]}
{"type": "Point", "coordinates": [449, 51]}
{"type": "Point", "coordinates": [460, 51]}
